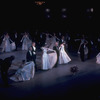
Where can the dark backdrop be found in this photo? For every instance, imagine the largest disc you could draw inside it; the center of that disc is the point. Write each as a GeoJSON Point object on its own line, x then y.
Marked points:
{"type": "Point", "coordinates": [26, 16]}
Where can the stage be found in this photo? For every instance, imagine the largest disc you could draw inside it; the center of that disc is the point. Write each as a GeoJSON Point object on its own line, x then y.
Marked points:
{"type": "Point", "coordinates": [54, 83]}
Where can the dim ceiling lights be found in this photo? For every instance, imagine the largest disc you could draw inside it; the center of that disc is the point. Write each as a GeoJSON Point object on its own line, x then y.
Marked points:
{"type": "Point", "coordinates": [39, 2]}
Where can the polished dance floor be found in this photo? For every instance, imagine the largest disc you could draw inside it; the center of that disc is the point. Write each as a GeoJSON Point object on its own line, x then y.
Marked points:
{"type": "Point", "coordinates": [55, 83]}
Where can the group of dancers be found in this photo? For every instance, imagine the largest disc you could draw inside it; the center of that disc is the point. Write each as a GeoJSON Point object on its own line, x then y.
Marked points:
{"type": "Point", "coordinates": [54, 52]}
{"type": "Point", "coordinates": [51, 48]}
{"type": "Point", "coordinates": [9, 45]}
{"type": "Point", "coordinates": [48, 40]}
{"type": "Point", "coordinates": [62, 56]}
{"type": "Point", "coordinates": [59, 56]}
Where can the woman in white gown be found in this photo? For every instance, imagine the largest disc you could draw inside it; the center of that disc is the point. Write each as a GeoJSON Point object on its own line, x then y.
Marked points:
{"type": "Point", "coordinates": [63, 56]}
{"type": "Point", "coordinates": [48, 60]}
{"type": "Point", "coordinates": [50, 42]}
{"type": "Point", "coordinates": [6, 46]}
{"type": "Point", "coordinates": [25, 72]}
{"type": "Point", "coordinates": [98, 58]}
{"type": "Point", "coordinates": [26, 42]}
{"type": "Point", "coordinates": [45, 59]}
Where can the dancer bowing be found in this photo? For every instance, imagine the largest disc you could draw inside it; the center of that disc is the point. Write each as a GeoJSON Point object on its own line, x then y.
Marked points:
{"type": "Point", "coordinates": [25, 72]}
{"type": "Point", "coordinates": [5, 65]}
{"type": "Point", "coordinates": [63, 56]}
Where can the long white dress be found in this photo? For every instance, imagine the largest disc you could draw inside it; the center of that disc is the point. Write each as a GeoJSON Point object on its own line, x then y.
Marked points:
{"type": "Point", "coordinates": [98, 58]}
{"type": "Point", "coordinates": [45, 59]}
{"type": "Point", "coordinates": [25, 73]}
{"type": "Point", "coordinates": [63, 56]}
{"type": "Point", "coordinates": [49, 58]}
{"type": "Point", "coordinates": [6, 46]}
{"type": "Point", "coordinates": [26, 42]}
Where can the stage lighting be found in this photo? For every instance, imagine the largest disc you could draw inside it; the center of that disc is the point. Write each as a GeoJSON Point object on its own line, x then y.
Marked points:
{"type": "Point", "coordinates": [87, 10]}
{"type": "Point", "coordinates": [48, 16]}
{"type": "Point", "coordinates": [39, 2]}
{"type": "Point", "coordinates": [64, 16]}
{"type": "Point", "coordinates": [91, 9]}
{"type": "Point", "coordinates": [63, 9]}
{"type": "Point", "coordinates": [47, 10]}
{"type": "Point", "coordinates": [89, 17]}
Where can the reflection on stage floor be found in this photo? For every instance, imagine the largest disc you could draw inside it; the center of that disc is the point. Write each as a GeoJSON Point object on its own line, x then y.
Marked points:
{"type": "Point", "coordinates": [56, 82]}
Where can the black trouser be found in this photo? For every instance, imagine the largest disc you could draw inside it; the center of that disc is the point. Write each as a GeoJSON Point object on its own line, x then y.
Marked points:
{"type": "Point", "coordinates": [82, 56]}
{"type": "Point", "coordinates": [4, 75]}
{"type": "Point", "coordinates": [89, 53]}
{"type": "Point", "coordinates": [57, 60]}
{"type": "Point", "coordinates": [34, 59]}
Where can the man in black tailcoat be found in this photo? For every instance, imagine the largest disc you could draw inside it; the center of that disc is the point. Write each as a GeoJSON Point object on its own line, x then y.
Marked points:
{"type": "Point", "coordinates": [81, 50]}
{"type": "Point", "coordinates": [34, 54]}
{"type": "Point", "coordinates": [29, 56]}
{"type": "Point", "coordinates": [56, 48]}
{"type": "Point", "coordinates": [89, 46]}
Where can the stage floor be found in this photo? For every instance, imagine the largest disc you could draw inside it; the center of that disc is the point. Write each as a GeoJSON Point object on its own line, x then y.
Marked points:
{"type": "Point", "coordinates": [55, 83]}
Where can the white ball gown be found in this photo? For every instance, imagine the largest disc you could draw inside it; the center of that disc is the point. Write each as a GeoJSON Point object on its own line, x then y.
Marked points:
{"type": "Point", "coordinates": [6, 46]}
{"type": "Point", "coordinates": [48, 59]}
{"type": "Point", "coordinates": [63, 56]}
{"type": "Point", "coordinates": [25, 73]}
{"type": "Point", "coordinates": [45, 59]}
{"type": "Point", "coordinates": [26, 42]}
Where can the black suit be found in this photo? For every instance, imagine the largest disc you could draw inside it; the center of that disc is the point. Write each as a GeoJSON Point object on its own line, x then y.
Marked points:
{"type": "Point", "coordinates": [89, 48]}
{"type": "Point", "coordinates": [56, 48]}
{"type": "Point", "coordinates": [82, 52]}
{"type": "Point", "coordinates": [34, 56]}
{"type": "Point", "coordinates": [62, 41]}
{"type": "Point", "coordinates": [29, 56]}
